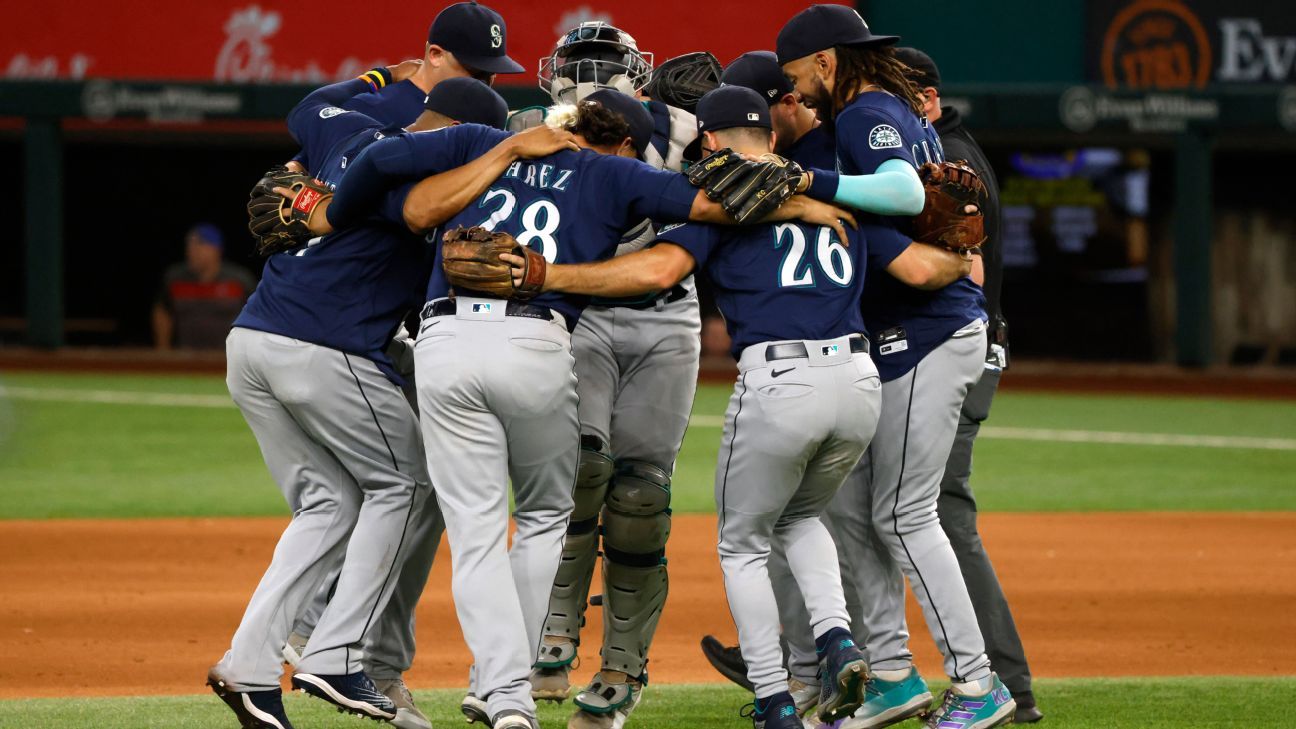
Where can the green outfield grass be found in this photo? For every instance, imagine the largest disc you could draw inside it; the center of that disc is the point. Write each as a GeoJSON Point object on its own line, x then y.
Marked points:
{"type": "Point", "coordinates": [1169, 703]}
{"type": "Point", "coordinates": [60, 457]}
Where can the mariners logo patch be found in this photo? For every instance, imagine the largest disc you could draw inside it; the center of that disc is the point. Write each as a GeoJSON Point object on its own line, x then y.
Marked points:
{"type": "Point", "coordinates": [329, 112]}
{"type": "Point", "coordinates": [884, 136]}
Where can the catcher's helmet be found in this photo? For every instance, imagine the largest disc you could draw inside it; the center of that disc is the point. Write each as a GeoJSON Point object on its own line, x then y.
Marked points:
{"type": "Point", "coordinates": [592, 56]}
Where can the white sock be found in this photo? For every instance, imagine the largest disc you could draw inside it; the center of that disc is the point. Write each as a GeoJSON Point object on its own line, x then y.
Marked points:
{"type": "Point", "coordinates": [978, 687]}
{"type": "Point", "coordinates": [893, 676]}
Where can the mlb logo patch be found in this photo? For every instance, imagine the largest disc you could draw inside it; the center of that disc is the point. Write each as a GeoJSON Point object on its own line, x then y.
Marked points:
{"type": "Point", "coordinates": [830, 350]}
{"type": "Point", "coordinates": [482, 308]}
{"type": "Point", "coordinates": [884, 136]}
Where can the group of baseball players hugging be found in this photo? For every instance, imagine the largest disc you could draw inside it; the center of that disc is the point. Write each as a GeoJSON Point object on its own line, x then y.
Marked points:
{"type": "Point", "coordinates": [568, 369]}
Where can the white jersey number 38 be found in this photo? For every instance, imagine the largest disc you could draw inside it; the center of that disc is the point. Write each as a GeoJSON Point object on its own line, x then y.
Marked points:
{"type": "Point", "coordinates": [830, 255]}
{"type": "Point", "coordinates": [539, 221]}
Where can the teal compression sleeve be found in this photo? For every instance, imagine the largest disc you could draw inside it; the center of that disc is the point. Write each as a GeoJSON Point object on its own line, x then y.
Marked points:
{"type": "Point", "coordinates": [894, 189]}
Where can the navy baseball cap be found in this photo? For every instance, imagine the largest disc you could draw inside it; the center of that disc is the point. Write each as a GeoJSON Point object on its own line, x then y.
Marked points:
{"type": "Point", "coordinates": [209, 234]}
{"type": "Point", "coordinates": [468, 101]}
{"type": "Point", "coordinates": [726, 108]}
{"type": "Point", "coordinates": [630, 109]}
{"type": "Point", "coordinates": [924, 71]}
{"type": "Point", "coordinates": [475, 34]}
{"type": "Point", "coordinates": [823, 26]}
{"type": "Point", "coordinates": [760, 72]}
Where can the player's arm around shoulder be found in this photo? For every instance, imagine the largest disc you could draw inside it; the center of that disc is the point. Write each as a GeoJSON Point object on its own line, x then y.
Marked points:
{"type": "Point", "coordinates": [642, 272]}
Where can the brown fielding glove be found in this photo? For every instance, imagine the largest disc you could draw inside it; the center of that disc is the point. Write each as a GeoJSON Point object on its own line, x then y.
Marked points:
{"type": "Point", "coordinates": [747, 189]}
{"type": "Point", "coordinates": [471, 260]}
{"type": "Point", "coordinates": [280, 224]}
{"type": "Point", "coordinates": [950, 187]}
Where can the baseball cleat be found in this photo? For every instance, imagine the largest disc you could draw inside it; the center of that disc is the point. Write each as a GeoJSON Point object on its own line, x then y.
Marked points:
{"type": "Point", "coordinates": [514, 719]}
{"type": "Point", "coordinates": [254, 709]}
{"type": "Point", "coordinates": [890, 702]}
{"type": "Point", "coordinates": [474, 710]}
{"type": "Point", "coordinates": [773, 712]}
{"type": "Point", "coordinates": [958, 711]}
{"type": "Point", "coordinates": [1027, 714]}
{"type": "Point", "coordinates": [408, 715]}
{"type": "Point", "coordinates": [605, 704]}
{"type": "Point", "coordinates": [351, 692]}
{"type": "Point", "coordinates": [843, 673]}
{"type": "Point", "coordinates": [727, 660]}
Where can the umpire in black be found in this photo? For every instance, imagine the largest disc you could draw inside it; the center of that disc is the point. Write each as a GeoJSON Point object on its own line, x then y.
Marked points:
{"type": "Point", "coordinates": [957, 505]}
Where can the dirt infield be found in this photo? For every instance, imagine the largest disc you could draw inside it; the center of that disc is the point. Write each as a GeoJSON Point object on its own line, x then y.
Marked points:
{"type": "Point", "coordinates": [143, 607]}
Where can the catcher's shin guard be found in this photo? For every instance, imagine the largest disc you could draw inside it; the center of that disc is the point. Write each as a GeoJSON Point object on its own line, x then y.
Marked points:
{"type": "Point", "coordinates": [636, 525]}
{"type": "Point", "coordinates": [580, 547]}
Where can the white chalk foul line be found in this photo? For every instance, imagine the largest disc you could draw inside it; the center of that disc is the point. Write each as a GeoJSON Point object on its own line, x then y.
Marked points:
{"type": "Point", "coordinates": [115, 397]}
{"type": "Point", "coordinates": [1098, 436]}
{"type": "Point", "coordinates": [161, 399]}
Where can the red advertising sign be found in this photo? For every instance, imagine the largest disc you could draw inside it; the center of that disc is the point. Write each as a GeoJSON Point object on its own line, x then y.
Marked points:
{"type": "Point", "coordinates": [243, 41]}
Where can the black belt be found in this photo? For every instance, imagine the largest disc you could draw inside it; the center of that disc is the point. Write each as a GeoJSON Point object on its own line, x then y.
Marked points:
{"type": "Point", "coordinates": [675, 293]}
{"type": "Point", "coordinates": [795, 350]}
{"type": "Point", "coordinates": [448, 307]}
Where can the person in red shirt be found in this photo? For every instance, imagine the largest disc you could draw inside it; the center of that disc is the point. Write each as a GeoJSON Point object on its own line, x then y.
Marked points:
{"type": "Point", "coordinates": [200, 297]}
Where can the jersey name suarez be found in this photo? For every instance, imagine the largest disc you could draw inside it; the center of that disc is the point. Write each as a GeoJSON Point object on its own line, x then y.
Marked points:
{"type": "Point", "coordinates": [787, 280]}
{"type": "Point", "coordinates": [571, 207]}
{"type": "Point", "coordinates": [348, 290]}
{"type": "Point", "coordinates": [873, 128]}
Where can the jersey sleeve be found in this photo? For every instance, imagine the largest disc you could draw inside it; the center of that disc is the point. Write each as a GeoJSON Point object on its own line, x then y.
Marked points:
{"type": "Point", "coordinates": [318, 120]}
{"type": "Point", "coordinates": [697, 238]}
{"type": "Point", "coordinates": [867, 137]}
{"type": "Point", "coordinates": [884, 243]}
{"type": "Point", "coordinates": [392, 162]}
{"type": "Point", "coordinates": [629, 190]}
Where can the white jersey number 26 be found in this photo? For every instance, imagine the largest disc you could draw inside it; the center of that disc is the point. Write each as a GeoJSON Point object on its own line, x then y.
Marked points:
{"type": "Point", "coordinates": [539, 221]}
{"type": "Point", "coordinates": [830, 255]}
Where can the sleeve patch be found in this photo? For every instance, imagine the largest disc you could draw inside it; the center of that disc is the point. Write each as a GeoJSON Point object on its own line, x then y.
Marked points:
{"type": "Point", "coordinates": [329, 112]}
{"type": "Point", "coordinates": [884, 136]}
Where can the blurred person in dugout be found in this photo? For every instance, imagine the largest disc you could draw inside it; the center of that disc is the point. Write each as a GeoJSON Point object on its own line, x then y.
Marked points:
{"type": "Point", "coordinates": [200, 297]}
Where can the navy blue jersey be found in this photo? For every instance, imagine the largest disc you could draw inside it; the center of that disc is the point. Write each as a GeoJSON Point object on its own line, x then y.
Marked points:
{"type": "Point", "coordinates": [872, 129]}
{"type": "Point", "coordinates": [816, 149]}
{"type": "Point", "coordinates": [396, 105]}
{"type": "Point", "coordinates": [348, 290]}
{"type": "Point", "coordinates": [572, 207]}
{"type": "Point", "coordinates": [787, 280]}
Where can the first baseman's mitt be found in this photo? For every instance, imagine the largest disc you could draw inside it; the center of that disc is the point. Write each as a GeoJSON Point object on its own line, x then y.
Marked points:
{"type": "Point", "coordinates": [471, 260]}
{"type": "Point", "coordinates": [278, 223]}
{"type": "Point", "coordinates": [683, 80]}
{"type": "Point", "coordinates": [950, 187]}
{"type": "Point", "coordinates": [747, 189]}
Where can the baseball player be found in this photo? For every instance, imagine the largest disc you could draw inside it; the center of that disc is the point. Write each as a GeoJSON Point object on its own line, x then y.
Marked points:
{"type": "Point", "coordinates": [957, 505]}
{"type": "Point", "coordinates": [310, 371]}
{"type": "Point", "coordinates": [803, 409]}
{"type": "Point", "coordinates": [636, 370]}
{"type": "Point", "coordinates": [496, 380]}
{"type": "Point", "coordinates": [929, 348]}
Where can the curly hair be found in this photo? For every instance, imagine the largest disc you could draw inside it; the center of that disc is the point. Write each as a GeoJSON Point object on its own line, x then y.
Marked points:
{"type": "Point", "coordinates": [599, 125]}
{"type": "Point", "coordinates": [858, 66]}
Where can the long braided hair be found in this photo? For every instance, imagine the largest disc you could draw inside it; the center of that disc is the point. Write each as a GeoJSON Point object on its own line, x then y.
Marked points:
{"type": "Point", "coordinates": [858, 66]}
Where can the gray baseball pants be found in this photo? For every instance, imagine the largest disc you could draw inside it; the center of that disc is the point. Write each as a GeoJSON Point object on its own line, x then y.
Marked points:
{"type": "Point", "coordinates": [789, 441]}
{"type": "Point", "coordinates": [497, 400]}
{"type": "Point", "coordinates": [342, 444]}
{"type": "Point", "coordinates": [885, 522]}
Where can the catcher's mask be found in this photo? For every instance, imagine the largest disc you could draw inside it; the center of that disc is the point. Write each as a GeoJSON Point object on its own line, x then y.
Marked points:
{"type": "Point", "coordinates": [593, 56]}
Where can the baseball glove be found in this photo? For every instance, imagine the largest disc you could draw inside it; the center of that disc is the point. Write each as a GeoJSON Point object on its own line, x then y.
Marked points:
{"type": "Point", "coordinates": [278, 223]}
{"type": "Point", "coordinates": [471, 260]}
{"type": "Point", "coordinates": [683, 80]}
{"type": "Point", "coordinates": [747, 189]}
{"type": "Point", "coordinates": [950, 187]}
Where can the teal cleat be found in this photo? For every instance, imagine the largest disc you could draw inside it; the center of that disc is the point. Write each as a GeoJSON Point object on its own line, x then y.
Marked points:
{"type": "Point", "coordinates": [891, 702]}
{"type": "Point", "coordinates": [957, 711]}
